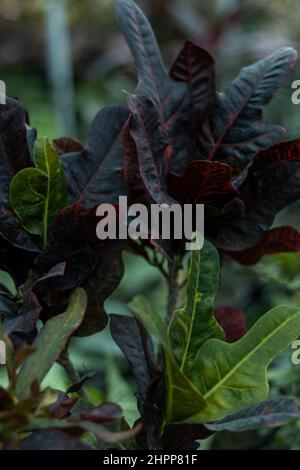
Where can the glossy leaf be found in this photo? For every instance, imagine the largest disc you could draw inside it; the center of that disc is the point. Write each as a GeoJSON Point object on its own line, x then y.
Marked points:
{"type": "Point", "coordinates": [94, 174]}
{"type": "Point", "coordinates": [37, 194]}
{"type": "Point", "coordinates": [233, 376]}
{"type": "Point", "coordinates": [150, 144]}
{"type": "Point", "coordinates": [50, 343]}
{"type": "Point", "coordinates": [195, 323]}
{"type": "Point", "coordinates": [171, 99]}
{"type": "Point", "coordinates": [196, 67]}
{"type": "Point", "coordinates": [233, 130]}
{"type": "Point", "coordinates": [203, 182]}
{"type": "Point", "coordinates": [282, 152]}
{"type": "Point", "coordinates": [265, 193]}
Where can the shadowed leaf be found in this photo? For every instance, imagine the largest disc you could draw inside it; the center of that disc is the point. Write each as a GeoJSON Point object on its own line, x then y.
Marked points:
{"type": "Point", "coordinates": [14, 157]}
{"type": "Point", "coordinates": [126, 334]}
{"type": "Point", "coordinates": [270, 413]}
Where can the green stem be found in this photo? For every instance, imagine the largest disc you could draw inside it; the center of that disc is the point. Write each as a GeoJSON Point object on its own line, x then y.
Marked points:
{"type": "Point", "coordinates": [173, 289]}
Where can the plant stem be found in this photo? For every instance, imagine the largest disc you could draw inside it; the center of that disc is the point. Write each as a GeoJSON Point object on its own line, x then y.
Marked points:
{"type": "Point", "coordinates": [66, 363]}
{"type": "Point", "coordinates": [172, 289]}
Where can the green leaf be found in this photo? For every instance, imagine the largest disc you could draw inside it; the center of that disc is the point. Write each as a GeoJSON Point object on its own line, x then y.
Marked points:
{"type": "Point", "coordinates": [50, 343]}
{"type": "Point", "coordinates": [183, 399]}
{"type": "Point", "coordinates": [37, 194]}
{"type": "Point", "coordinates": [234, 376]}
{"type": "Point", "coordinates": [7, 281]}
{"type": "Point", "coordinates": [195, 323]}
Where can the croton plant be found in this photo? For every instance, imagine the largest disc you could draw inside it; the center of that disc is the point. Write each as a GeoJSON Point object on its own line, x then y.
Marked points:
{"type": "Point", "coordinates": [197, 370]}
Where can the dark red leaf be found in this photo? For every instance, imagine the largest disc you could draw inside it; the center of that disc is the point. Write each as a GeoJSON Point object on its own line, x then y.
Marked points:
{"type": "Point", "coordinates": [202, 182]}
{"type": "Point", "coordinates": [277, 240]}
{"type": "Point", "coordinates": [150, 143]}
{"type": "Point", "coordinates": [14, 157]}
{"type": "Point", "coordinates": [171, 99]}
{"type": "Point", "coordinates": [284, 151]}
{"type": "Point", "coordinates": [67, 145]}
{"type": "Point", "coordinates": [233, 130]}
{"type": "Point", "coordinates": [233, 321]}
{"type": "Point", "coordinates": [62, 407]}
{"type": "Point", "coordinates": [95, 175]}
{"type": "Point", "coordinates": [73, 241]}
{"type": "Point", "coordinates": [24, 316]}
{"type": "Point", "coordinates": [178, 435]}
{"type": "Point", "coordinates": [196, 67]}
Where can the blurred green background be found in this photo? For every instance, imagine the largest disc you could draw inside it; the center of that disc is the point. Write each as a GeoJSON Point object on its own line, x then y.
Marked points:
{"type": "Point", "coordinates": [66, 59]}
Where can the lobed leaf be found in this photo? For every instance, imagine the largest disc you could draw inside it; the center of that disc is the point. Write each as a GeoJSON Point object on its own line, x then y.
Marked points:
{"type": "Point", "coordinates": [233, 130]}
{"type": "Point", "coordinates": [233, 376]}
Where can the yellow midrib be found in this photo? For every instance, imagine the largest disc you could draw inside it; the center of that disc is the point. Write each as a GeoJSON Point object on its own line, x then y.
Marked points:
{"type": "Point", "coordinates": [184, 358]}
{"type": "Point", "coordinates": [253, 351]}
